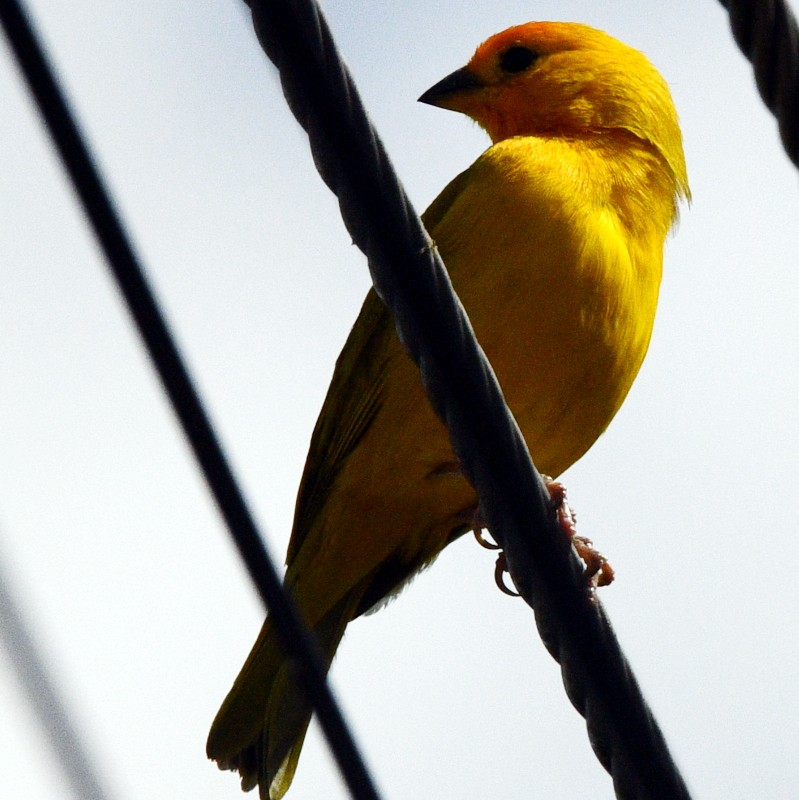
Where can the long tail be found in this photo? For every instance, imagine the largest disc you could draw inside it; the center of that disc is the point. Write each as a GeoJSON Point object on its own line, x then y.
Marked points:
{"type": "Point", "coordinates": [261, 725]}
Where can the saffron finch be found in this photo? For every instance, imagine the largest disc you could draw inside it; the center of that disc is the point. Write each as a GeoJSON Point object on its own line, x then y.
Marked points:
{"type": "Point", "coordinates": [554, 242]}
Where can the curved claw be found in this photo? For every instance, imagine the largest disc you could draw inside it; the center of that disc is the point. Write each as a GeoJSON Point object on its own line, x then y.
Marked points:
{"type": "Point", "coordinates": [501, 566]}
{"type": "Point", "coordinates": [482, 541]}
{"type": "Point", "coordinates": [499, 576]}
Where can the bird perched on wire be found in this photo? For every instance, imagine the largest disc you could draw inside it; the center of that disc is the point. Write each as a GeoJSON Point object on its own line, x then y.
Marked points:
{"type": "Point", "coordinates": [554, 241]}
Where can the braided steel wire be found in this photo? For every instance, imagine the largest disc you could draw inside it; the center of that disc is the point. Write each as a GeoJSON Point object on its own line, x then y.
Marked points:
{"type": "Point", "coordinates": [132, 283]}
{"type": "Point", "coordinates": [411, 279]}
{"type": "Point", "coordinates": [767, 33]}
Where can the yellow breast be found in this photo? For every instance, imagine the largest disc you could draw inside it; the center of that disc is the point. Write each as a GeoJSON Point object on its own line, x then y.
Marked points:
{"type": "Point", "coordinates": [560, 278]}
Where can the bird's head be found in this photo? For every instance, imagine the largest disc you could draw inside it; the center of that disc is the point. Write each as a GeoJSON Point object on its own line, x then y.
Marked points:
{"type": "Point", "coordinates": [564, 79]}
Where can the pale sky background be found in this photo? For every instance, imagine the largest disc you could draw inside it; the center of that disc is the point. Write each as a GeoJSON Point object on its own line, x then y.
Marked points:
{"type": "Point", "coordinates": [137, 596]}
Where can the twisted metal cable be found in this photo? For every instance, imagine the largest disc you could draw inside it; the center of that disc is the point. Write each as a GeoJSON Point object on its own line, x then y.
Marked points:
{"type": "Point", "coordinates": [132, 283]}
{"type": "Point", "coordinates": [767, 34]}
{"type": "Point", "coordinates": [411, 279]}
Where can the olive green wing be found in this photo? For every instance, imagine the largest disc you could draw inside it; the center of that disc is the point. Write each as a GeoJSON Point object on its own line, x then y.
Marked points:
{"type": "Point", "coordinates": [355, 395]}
{"type": "Point", "coordinates": [352, 403]}
{"type": "Point", "coordinates": [441, 205]}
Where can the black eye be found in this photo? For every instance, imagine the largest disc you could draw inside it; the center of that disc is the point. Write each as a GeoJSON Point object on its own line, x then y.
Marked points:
{"type": "Point", "coordinates": [517, 59]}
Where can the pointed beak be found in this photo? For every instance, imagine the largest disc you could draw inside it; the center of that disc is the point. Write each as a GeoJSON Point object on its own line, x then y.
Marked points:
{"type": "Point", "coordinates": [457, 83]}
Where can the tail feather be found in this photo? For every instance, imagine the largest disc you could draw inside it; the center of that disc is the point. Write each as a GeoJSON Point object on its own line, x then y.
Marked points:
{"type": "Point", "coordinates": [280, 751]}
{"type": "Point", "coordinates": [239, 721]}
{"type": "Point", "coordinates": [262, 723]}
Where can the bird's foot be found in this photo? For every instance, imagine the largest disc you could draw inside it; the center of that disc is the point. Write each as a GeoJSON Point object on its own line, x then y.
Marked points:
{"type": "Point", "coordinates": [598, 571]}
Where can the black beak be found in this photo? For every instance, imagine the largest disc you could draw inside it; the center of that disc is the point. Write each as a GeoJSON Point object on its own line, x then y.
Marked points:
{"type": "Point", "coordinates": [461, 80]}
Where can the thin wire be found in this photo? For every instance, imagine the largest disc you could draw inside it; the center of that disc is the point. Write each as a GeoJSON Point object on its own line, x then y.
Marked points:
{"type": "Point", "coordinates": [50, 710]}
{"type": "Point", "coordinates": [411, 279]}
{"type": "Point", "coordinates": [297, 642]}
{"type": "Point", "coordinates": [767, 34]}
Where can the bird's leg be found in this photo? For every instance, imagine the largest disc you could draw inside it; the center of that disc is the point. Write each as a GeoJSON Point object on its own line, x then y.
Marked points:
{"type": "Point", "coordinates": [598, 571]}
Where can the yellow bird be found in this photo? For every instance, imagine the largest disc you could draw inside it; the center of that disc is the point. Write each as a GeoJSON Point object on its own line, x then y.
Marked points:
{"type": "Point", "coordinates": [554, 241]}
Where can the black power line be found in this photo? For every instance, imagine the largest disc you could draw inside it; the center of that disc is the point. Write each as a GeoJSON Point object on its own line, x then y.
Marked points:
{"type": "Point", "coordinates": [296, 640]}
{"type": "Point", "coordinates": [767, 33]}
